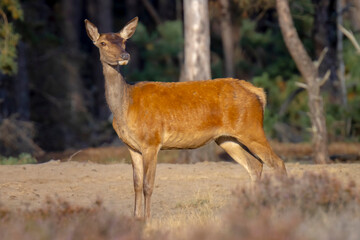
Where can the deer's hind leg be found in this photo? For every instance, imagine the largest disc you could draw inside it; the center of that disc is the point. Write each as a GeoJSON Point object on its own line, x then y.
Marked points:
{"type": "Point", "coordinates": [259, 146]}
{"type": "Point", "coordinates": [264, 151]}
{"type": "Point", "coordinates": [239, 154]}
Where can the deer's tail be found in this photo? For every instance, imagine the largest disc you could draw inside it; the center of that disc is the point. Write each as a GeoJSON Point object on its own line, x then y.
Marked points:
{"type": "Point", "coordinates": [259, 92]}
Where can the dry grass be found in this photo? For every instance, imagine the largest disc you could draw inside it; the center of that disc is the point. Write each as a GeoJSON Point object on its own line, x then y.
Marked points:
{"type": "Point", "coordinates": [200, 212]}
{"type": "Point", "coordinates": [314, 206]}
{"type": "Point", "coordinates": [303, 151]}
{"type": "Point", "coordinates": [287, 151]}
{"type": "Point", "coordinates": [104, 155]}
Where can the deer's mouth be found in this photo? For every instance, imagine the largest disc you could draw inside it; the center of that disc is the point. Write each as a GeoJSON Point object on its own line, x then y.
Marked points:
{"type": "Point", "coordinates": [123, 62]}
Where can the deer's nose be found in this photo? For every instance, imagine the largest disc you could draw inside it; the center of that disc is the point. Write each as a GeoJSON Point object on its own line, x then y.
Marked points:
{"type": "Point", "coordinates": [125, 56]}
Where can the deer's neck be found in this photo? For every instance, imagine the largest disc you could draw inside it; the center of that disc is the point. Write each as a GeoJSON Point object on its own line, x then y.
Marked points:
{"type": "Point", "coordinates": [116, 90]}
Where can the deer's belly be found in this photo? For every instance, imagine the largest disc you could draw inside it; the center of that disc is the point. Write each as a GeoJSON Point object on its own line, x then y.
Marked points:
{"type": "Point", "coordinates": [185, 140]}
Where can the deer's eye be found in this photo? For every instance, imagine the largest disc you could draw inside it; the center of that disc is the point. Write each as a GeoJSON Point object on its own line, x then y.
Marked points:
{"type": "Point", "coordinates": [103, 44]}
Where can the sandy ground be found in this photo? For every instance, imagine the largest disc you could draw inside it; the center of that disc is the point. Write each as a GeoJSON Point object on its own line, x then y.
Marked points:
{"type": "Point", "coordinates": [28, 186]}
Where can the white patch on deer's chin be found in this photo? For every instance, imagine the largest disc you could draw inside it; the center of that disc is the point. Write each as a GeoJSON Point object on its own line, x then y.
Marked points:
{"type": "Point", "coordinates": [123, 62]}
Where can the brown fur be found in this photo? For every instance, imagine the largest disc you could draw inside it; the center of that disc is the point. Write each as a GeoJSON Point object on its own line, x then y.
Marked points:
{"type": "Point", "coordinates": [259, 92]}
{"type": "Point", "coordinates": [150, 116]}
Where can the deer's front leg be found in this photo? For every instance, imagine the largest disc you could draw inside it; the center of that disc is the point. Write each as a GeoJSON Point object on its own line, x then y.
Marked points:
{"type": "Point", "coordinates": [150, 159]}
{"type": "Point", "coordinates": [138, 173]}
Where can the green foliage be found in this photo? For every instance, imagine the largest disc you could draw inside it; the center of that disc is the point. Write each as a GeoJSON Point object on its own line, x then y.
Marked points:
{"type": "Point", "coordinates": [23, 158]}
{"type": "Point", "coordinates": [216, 67]}
{"type": "Point", "coordinates": [339, 118]}
{"type": "Point", "coordinates": [13, 7]}
{"type": "Point", "coordinates": [278, 90]}
{"type": "Point", "coordinates": [267, 50]}
{"type": "Point", "coordinates": [160, 51]}
{"type": "Point", "coordinates": [8, 37]}
{"type": "Point", "coordinates": [8, 42]}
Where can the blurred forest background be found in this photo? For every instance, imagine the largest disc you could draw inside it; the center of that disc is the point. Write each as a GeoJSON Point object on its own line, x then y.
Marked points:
{"type": "Point", "coordinates": [51, 81]}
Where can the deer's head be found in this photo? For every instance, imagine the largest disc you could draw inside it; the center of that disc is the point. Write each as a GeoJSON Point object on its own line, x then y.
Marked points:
{"type": "Point", "coordinates": [112, 45]}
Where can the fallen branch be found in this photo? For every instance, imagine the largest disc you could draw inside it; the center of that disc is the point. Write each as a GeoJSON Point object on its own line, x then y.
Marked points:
{"type": "Point", "coordinates": [73, 155]}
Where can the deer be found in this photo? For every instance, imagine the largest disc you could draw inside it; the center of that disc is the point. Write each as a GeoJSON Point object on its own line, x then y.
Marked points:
{"type": "Point", "coordinates": [151, 116]}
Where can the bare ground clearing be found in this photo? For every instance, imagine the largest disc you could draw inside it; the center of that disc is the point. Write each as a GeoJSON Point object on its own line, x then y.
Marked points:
{"type": "Point", "coordinates": [179, 188]}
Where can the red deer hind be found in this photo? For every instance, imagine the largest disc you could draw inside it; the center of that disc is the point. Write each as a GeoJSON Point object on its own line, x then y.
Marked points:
{"type": "Point", "coordinates": [150, 116]}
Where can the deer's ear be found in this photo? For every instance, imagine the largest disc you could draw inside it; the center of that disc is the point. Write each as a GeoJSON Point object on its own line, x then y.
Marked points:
{"type": "Point", "coordinates": [91, 31]}
{"type": "Point", "coordinates": [129, 28]}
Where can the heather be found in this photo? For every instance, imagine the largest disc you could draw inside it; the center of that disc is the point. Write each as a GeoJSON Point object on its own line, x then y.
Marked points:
{"type": "Point", "coordinates": [311, 206]}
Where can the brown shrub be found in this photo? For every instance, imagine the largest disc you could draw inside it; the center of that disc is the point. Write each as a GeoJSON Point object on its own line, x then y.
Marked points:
{"type": "Point", "coordinates": [314, 206]}
{"type": "Point", "coordinates": [60, 220]}
{"type": "Point", "coordinates": [17, 136]}
{"type": "Point", "coordinates": [307, 195]}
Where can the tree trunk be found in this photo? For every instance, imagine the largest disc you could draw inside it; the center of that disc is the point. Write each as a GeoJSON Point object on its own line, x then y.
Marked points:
{"type": "Point", "coordinates": [152, 11]}
{"type": "Point", "coordinates": [71, 32]}
{"type": "Point", "coordinates": [197, 61]}
{"type": "Point", "coordinates": [340, 58]}
{"type": "Point", "coordinates": [101, 13]}
{"type": "Point", "coordinates": [324, 36]}
{"type": "Point", "coordinates": [197, 40]}
{"type": "Point", "coordinates": [22, 85]}
{"type": "Point", "coordinates": [131, 12]}
{"type": "Point", "coordinates": [227, 39]}
{"type": "Point", "coordinates": [167, 9]}
{"type": "Point", "coordinates": [71, 10]}
{"type": "Point", "coordinates": [354, 14]}
{"type": "Point", "coordinates": [310, 74]}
